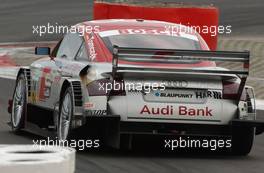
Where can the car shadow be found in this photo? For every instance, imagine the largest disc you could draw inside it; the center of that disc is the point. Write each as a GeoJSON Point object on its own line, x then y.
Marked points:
{"type": "Point", "coordinates": [143, 149]}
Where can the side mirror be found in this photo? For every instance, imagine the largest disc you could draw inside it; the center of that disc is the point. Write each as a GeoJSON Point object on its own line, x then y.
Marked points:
{"type": "Point", "coordinates": [42, 51]}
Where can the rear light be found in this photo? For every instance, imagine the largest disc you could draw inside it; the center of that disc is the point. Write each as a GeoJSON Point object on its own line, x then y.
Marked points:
{"type": "Point", "coordinates": [106, 87]}
{"type": "Point", "coordinates": [118, 88]}
{"type": "Point", "coordinates": [230, 90]}
{"type": "Point", "coordinates": [98, 87]}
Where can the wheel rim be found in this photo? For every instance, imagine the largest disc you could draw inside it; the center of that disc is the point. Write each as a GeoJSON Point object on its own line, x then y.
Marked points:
{"type": "Point", "coordinates": [65, 117]}
{"type": "Point", "coordinates": [18, 103]}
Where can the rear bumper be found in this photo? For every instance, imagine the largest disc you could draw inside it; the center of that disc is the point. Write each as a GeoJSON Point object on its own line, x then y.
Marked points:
{"type": "Point", "coordinates": [172, 129]}
{"type": "Point", "coordinates": [110, 122]}
{"type": "Point", "coordinates": [111, 128]}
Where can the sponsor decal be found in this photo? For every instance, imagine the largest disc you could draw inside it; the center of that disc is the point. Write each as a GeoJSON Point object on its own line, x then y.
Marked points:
{"type": "Point", "coordinates": [173, 95]}
{"type": "Point", "coordinates": [146, 31]}
{"type": "Point", "coordinates": [92, 51]}
{"type": "Point", "coordinates": [167, 30]}
{"type": "Point", "coordinates": [136, 31]}
{"type": "Point", "coordinates": [45, 84]}
{"type": "Point", "coordinates": [197, 95]}
{"type": "Point", "coordinates": [95, 112]}
{"type": "Point", "coordinates": [183, 110]}
{"type": "Point", "coordinates": [174, 31]}
{"type": "Point", "coordinates": [89, 105]}
{"type": "Point", "coordinates": [169, 110]}
{"type": "Point", "coordinates": [208, 94]}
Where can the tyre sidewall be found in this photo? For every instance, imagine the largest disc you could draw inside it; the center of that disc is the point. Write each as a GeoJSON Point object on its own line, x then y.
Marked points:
{"type": "Point", "coordinates": [67, 91]}
{"type": "Point", "coordinates": [22, 119]}
{"type": "Point", "coordinates": [242, 140]}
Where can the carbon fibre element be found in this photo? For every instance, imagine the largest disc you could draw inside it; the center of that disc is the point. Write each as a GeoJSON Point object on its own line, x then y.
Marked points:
{"type": "Point", "coordinates": [150, 56]}
{"type": "Point", "coordinates": [147, 55]}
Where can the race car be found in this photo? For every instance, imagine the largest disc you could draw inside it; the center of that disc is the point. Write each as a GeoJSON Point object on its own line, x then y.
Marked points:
{"type": "Point", "coordinates": [134, 76]}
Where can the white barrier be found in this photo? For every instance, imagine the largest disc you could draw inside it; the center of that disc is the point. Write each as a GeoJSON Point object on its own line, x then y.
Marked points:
{"type": "Point", "coordinates": [33, 159]}
{"type": "Point", "coordinates": [9, 72]}
{"type": "Point", "coordinates": [260, 104]}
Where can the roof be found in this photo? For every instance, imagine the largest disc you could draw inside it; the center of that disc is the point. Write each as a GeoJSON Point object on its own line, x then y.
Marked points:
{"type": "Point", "coordinates": [110, 24]}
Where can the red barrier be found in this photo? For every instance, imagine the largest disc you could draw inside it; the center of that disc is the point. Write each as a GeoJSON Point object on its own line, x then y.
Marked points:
{"type": "Point", "coordinates": [197, 16]}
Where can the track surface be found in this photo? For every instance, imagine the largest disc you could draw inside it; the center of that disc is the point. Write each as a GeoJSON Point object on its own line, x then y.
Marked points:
{"type": "Point", "coordinates": [16, 20]}
{"type": "Point", "coordinates": [17, 17]}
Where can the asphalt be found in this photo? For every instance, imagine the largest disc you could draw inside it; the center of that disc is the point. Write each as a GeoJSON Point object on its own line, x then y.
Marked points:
{"type": "Point", "coordinates": [18, 17]}
{"type": "Point", "coordinates": [16, 21]}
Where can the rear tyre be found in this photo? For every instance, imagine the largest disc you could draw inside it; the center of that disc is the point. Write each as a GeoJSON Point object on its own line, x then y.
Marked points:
{"type": "Point", "coordinates": [242, 140]}
{"type": "Point", "coordinates": [65, 115]}
{"type": "Point", "coordinates": [19, 104]}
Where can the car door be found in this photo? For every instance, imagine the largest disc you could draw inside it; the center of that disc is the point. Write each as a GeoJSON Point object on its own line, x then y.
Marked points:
{"type": "Point", "coordinates": [51, 72]}
{"type": "Point", "coordinates": [67, 66]}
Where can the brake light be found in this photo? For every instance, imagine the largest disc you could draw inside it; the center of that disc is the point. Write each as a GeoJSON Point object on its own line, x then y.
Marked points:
{"type": "Point", "coordinates": [98, 87]}
{"type": "Point", "coordinates": [230, 90]}
{"type": "Point", "coordinates": [106, 87]}
{"type": "Point", "coordinates": [118, 88]}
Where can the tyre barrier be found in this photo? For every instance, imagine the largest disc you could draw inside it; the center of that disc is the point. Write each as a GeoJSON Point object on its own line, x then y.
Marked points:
{"type": "Point", "coordinates": [36, 159]}
{"type": "Point", "coordinates": [189, 15]}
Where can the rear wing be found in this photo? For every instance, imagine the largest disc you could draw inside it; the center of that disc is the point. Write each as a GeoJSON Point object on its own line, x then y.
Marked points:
{"type": "Point", "coordinates": [174, 56]}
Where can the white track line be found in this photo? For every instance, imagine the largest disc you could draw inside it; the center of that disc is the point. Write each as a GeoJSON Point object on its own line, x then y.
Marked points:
{"type": "Point", "coordinates": [9, 72]}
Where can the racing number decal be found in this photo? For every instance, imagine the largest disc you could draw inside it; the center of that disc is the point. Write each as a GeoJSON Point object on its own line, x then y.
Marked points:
{"type": "Point", "coordinates": [45, 84]}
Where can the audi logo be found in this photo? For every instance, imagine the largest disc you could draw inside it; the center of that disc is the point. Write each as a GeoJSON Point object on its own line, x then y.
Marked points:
{"type": "Point", "coordinates": [176, 84]}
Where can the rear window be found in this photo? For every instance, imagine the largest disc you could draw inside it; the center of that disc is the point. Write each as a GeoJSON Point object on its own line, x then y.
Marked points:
{"type": "Point", "coordinates": [151, 41]}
